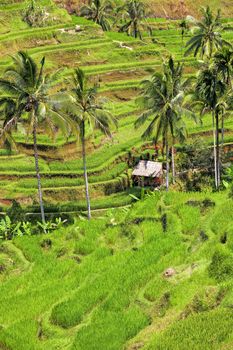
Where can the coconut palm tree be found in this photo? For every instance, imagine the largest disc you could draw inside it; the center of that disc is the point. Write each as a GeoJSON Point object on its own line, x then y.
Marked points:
{"type": "Point", "coordinates": [223, 62]}
{"type": "Point", "coordinates": [28, 91]}
{"type": "Point", "coordinates": [184, 27]}
{"type": "Point", "coordinates": [134, 16]}
{"type": "Point", "coordinates": [99, 11]}
{"type": "Point", "coordinates": [8, 109]}
{"type": "Point", "coordinates": [210, 91]}
{"type": "Point", "coordinates": [162, 98]}
{"type": "Point", "coordinates": [89, 113]}
{"type": "Point", "coordinates": [207, 35]}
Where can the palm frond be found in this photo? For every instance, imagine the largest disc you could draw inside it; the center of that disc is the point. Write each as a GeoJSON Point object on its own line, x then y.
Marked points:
{"type": "Point", "coordinates": [143, 118]}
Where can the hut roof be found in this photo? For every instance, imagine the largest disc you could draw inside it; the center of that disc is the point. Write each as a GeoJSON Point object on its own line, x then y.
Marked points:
{"type": "Point", "coordinates": [148, 168]}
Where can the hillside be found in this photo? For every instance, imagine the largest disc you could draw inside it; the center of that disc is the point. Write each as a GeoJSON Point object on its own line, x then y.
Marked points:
{"type": "Point", "coordinates": [118, 70]}
{"type": "Point", "coordinates": [182, 8]}
{"type": "Point", "coordinates": [103, 285]}
{"type": "Point", "coordinates": [175, 9]}
{"type": "Point", "coordinates": [147, 264]}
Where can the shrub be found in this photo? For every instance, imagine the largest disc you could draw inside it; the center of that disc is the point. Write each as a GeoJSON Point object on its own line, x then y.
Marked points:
{"type": "Point", "coordinates": [34, 15]}
{"type": "Point", "coordinates": [8, 230]}
{"type": "Point", "coordinates": [15, 212]}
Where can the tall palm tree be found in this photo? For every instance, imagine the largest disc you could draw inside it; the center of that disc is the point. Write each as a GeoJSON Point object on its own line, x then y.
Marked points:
{"type": "Point", "coordinates": [99, 11]}
{"type": "Point", "coordinates": [184, 27]}
{"type": "Point", "coordinates": [8, 109]}
{"type": "Point", "coordinates": [210, 93]}
{"type": "Point", "coordinates": [223, 62]}
{"type": "Point", "coordinates": [134, 14]}
{"type": "Point", "coordinates": [162, 98]}
{"type": "Point", "coordinates": [29, 89]}
{"type": "Point", "coordinates": [207, 35]}
{"type": "Point", "coordinates": [88, 111]}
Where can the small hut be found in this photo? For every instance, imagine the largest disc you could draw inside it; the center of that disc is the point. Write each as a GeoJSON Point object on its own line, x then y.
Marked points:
{"type": "Point", "coordinates": [148, 173]}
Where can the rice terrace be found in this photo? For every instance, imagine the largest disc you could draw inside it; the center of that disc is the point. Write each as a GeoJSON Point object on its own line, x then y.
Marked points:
{"type": "Point", "coordinates": [116, 175]}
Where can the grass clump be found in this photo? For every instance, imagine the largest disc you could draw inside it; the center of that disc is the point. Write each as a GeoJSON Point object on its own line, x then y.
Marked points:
{"type": "Point", "coordinates": [203, 331]}
{"type": "Point", "coordinates": [221, 266]}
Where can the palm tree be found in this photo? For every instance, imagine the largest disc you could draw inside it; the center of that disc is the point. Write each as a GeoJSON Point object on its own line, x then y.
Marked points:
{"type": "Point", "coordinates": [8, 109]}
{"type": "Point", "coordinates": [184, 27]}
{"type": "Point", "coordinates": [88, 111]}
{"type": "Point", "coordinates": [207, 36]}
{"type": "Point", "coordinates": [223, 62]}
{"type": "Point", "coordinates": [162, 98]}
{"type": "Point", "coordinates": [210, 95]}
{"type": "Point", "coordinates": [29, 90]}
{"type": "Point", "coordinates": [99, 11]}
{"type": "Point", "coordinates": [134, 14]}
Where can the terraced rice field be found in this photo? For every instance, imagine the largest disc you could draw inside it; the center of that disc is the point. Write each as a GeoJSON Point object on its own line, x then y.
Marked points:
{"type": "Point", "coordinates": [118, 72]}
{"type": "Point", "coordinates": [148, 274]}
{"type": "Point", "coordinates": [114, 293]}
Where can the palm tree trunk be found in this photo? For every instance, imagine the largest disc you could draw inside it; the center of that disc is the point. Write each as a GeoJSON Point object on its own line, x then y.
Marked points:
{"type": "Point", "coordinates": [222, 131]}
{"type": "Point", "coordinates": [182, 48]}
{"type": "Point", "coordinates": [173, 165]}
{"type": "Point", "coordinates": [215, 158]}
{"type": "Point", "coordinates": [222, 144]}
{"type": "Point", "coordinates": [38, 170]}
{"type": "Point", "coordinates": [135, 29]}
{"type": "Point", "coordinates": [85, 170]}
{"type": "Point", "coordinates": [167, 166]}
{"type": "Point", "coordinates": [217, 152]}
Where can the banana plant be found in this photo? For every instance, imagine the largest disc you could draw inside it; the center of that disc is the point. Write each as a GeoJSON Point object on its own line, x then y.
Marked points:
{"type": "Point", "coordinates": [8, 230]}
{"type": "Point", "coordinates": [49, 226]}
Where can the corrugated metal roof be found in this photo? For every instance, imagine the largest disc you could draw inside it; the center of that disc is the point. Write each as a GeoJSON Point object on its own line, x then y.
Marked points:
{"type": "Point", "coordinates": [148, 168]}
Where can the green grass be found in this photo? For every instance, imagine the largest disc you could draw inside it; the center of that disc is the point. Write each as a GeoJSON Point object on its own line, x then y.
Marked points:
{"type": "Point", "coordinates": [101, 284]}
{"type": "Point", "coordinates": [113, 294]}
{"type": "Point", "coordinates": [208, 331]}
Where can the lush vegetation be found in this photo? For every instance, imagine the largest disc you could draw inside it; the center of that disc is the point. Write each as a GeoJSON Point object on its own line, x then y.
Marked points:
{"type": "Point", "coordinates": [114, 293]}
{"type": "Point", "coordinates": [112, 56]}
{"type": "Point", "coordinates": [84, 95]}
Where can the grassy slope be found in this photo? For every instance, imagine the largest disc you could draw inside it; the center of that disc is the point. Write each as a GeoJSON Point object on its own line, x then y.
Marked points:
{"type": "Point", "coordinates": [118, 71]}
{"type": "Point", "coordinates": [101, 286]}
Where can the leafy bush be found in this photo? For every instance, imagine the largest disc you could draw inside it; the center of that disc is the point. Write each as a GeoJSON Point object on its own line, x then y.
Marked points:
{"type": "Point", "coordinates": [49, 226]}
{"type": "Point", "coordinates": [35, 15]}
{"type": "Point", "coordinates": [9, 229]}
{"type": "Point", "coordinates": [15, 212]}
